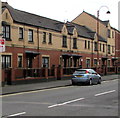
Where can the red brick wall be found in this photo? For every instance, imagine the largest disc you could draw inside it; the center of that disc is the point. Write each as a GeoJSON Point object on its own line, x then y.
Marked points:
{"type": "Point", "coordinates": [37, 61]}
{"type": "Point", "coordinates": [117, 37]}
{"type": "Point", "coordinates": [117, 42]}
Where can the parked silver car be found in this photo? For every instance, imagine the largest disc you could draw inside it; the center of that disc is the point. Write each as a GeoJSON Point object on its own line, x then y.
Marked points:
{"type": "Point", "coordinates": [86, 76]}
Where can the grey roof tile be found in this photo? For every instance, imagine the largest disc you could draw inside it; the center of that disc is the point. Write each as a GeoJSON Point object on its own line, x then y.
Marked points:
{"type": "Point", "coordinates": [32, 19]}
{"type": "Point", "coordinates": [84, 31]}
{"type": "Point", "coordinates": [47, 23]}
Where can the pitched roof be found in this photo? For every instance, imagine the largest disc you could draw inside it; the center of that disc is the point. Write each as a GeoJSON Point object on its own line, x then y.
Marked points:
{"type": "Point", "coordinates": [70, 27]}
{"type": "Point", "coordinates": [103, 22]}
{"type": "Point", "coordinates": [83, 31]}
{"type": "Point", "coordinates": [32, 19]}
{"type": "Point", "coordinates": [46, 23]}
{"type": "Point", "coordinates": [106, 22]}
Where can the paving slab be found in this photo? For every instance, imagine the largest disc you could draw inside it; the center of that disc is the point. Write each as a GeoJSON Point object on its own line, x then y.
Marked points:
{"type": "Point", "coordinates": [8, 89]}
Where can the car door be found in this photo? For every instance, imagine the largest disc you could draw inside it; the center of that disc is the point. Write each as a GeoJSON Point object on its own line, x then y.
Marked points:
{"type": "Point", "coordinates": [92, 76]}
{"type": "Point", "coordinates": [95, 76]}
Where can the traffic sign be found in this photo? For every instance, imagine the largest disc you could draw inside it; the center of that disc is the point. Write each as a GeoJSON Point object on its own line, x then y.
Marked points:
{"type": "Point", "coordinates": [2, 45]}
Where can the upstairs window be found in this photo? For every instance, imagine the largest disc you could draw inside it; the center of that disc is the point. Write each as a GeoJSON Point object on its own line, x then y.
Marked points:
{"type": "Point", "coordinates": [88, 44]}
{"type": "Point", "coordinates": [44, 37]}
{"type": "Point", "coordinates": [113, 49]}
{"type": "Point", "coordinates": [100, 47]}
{"type": "Point", "coordinates": [6, 32]}
{"type": "Point", "coordinates": [20, 33]}
{"type": "Point", "coordinates": [64, 41]}
{"type": "Point", "coordinates": [85, 44]}
{"type": "Point", "coordinates": [50, 38]}
{"type": "Point", "coordinates": [109, 34]}
{"type": "Point", "coordinates": [30, 35]}
{"type": "Point", "coordinates": [103, 47]}
{"type": "Point", "coordinates": [113, 34]}
{"type": "Point", "coordinates": [74, 43]}
{"type": "Point", "coordinates": [108, 49]}
{"type": "Point", "coordinates": [95, 46]}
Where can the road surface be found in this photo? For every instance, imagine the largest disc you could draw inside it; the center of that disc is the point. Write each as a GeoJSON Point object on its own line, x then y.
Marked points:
{"type": "Point", "coordinates": [79, 100]}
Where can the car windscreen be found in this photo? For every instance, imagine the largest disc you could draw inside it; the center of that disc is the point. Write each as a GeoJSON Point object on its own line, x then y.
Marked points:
{"type": "Point", "coordinates": [80, 72]}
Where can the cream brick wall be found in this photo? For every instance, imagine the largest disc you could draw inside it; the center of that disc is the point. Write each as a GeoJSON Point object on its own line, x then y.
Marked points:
{"type": "Point", "coordinates": [56, 37]}
{"type": "Point", "coordinates": [90, 22]}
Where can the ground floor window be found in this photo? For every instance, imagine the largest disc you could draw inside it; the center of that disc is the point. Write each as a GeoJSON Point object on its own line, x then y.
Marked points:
{"type": "Point", "coordinates": [20, 61]}
{"type": "Point", "coordinates": [6, 61]}
{"type": "Point", "coordinates": [95, 62]}
{"type": "Point", "coordinates": [75, 60]}
{"type": "Point", "coordinates": [45, 61]}
{"type": "Point", "coordinates": [87, 63]}
{"type": "Point", "coordinates": [108, 63]}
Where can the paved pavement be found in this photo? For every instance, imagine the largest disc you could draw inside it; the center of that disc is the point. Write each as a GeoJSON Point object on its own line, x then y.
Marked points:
{"type": "Point", "coordinates": [7, 89]}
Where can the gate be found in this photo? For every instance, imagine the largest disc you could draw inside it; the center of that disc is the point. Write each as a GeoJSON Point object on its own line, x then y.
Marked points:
{"type": "Point", "coordinates": [8, 78]}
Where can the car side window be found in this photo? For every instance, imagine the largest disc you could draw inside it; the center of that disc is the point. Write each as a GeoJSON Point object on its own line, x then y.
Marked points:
{"type": "Point", "coordinates": [90, 71]}
{"type": "Point", "coordinates": [93, 72]}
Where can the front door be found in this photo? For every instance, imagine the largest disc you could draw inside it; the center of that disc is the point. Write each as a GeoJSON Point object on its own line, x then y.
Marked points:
{"type": "Point", "coordinates": [29, 62]}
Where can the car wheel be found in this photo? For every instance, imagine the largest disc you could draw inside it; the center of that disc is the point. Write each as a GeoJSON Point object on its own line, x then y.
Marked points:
{"type": "Point", "coordinates": [73, 83]}
{"type": "Point", "coordinates": [99, 81]}
{"type": "Point", "coordinates": [90, 82]}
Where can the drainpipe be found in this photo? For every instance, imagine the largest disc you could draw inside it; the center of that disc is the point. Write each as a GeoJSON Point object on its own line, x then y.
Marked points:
{"type": "Point", "coordinates": [92, 54]}
{"type": "Point", "coordinates": [0, 52]}
{"type": "Point", "coordinates": [71, 58]}
{"type": "Point", "coordinates": [0, 62]}
{"type": "Point", "coordinates": [38, 46]}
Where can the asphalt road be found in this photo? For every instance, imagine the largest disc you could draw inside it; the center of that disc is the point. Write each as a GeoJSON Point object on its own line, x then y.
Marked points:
{"type": "Point", "coordinates": [85, 100]}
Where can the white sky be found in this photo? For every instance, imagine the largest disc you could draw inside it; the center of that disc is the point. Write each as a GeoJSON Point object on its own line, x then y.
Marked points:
{"type": "Point", "coordinates": [63, 10]}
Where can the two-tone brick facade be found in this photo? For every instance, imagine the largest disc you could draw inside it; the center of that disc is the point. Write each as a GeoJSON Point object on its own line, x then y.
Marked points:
{"type": "Point", "coordinates": [105, 30]}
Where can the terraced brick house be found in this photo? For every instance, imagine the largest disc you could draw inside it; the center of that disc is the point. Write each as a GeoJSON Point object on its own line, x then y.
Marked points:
{"type": "Point", "coordinates": [34, 42]}
{"type": "Point", "coordinates": [111, 56]}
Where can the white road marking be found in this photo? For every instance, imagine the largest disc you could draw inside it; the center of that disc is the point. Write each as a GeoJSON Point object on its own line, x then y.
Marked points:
{"type": "Point", "coordinates": [104, 93]}
{"type": "Point", "coordinates": [109, 80]}
{"type": "Point", "coordinates": [66, 102]}
{"type": "Point", "coordinates": [53, 105]}
{"type": "Point", "coordinates": [17, 114]}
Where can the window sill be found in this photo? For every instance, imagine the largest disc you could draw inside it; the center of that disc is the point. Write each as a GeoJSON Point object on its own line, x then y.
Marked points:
{"type": "Point", "coordinates": [30, 42]}
{"type": "Point", "coordinates": [21, 39]}
{"type": "Point", "coordinates": [50, 43]}
{"type": "Point", "coordinates": [20, 67]}
{"type": "Point", "coordinates": [75, 48]}
{"type": "Point", "coordinates": [7, 39]}
{"type": "Point", "coordinates": [43, 42]}
{"type": "Point", "coordinates": [64, 46]}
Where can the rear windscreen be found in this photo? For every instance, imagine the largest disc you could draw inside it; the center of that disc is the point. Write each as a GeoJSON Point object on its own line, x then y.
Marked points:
{"type": "Point", "coordinates": [80, 72]}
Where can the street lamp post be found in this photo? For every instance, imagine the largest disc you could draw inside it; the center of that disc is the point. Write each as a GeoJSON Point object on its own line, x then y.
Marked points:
{"type": "Point", "coordinates": [0, 62]}
{"type": "Point", "coordinates": [98, 28]}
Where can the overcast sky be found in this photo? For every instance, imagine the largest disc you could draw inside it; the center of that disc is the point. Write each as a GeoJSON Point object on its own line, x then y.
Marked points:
{"type": "Point", "coordinates": [63, 10]}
